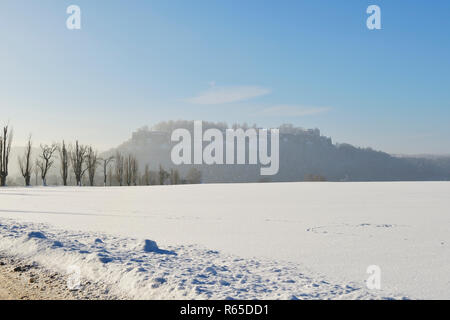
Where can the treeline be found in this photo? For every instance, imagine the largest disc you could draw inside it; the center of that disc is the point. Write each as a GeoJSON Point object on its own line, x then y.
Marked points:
{"type": "Point", "coordinates": [81, 165]}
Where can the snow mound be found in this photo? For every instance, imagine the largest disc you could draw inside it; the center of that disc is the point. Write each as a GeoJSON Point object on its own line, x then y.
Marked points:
{"type": "Point", "coordinates": [150, 246]}
{"type": "Point", "coordinates": [141, 270]}
{"type": "Point", "coordinates": [37, 235]}
{"type": "Point", "coordinates": [57, 244]}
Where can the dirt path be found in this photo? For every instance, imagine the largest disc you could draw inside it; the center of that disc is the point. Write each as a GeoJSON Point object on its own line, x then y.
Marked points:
{"type": "Point", "coordinates": [21, 281]}
{"type": "Point", "coordinates": [4, 294]}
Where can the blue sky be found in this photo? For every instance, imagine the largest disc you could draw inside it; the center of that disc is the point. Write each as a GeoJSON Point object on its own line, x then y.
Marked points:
{"type": "Point", "coordinates": [310, 63]}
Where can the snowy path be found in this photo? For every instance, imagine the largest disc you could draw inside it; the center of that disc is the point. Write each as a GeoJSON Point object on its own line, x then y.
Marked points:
{"type": "Point", "coordinates": [27, 280]}
{"type": "Point", "coordinates": [325, 231]}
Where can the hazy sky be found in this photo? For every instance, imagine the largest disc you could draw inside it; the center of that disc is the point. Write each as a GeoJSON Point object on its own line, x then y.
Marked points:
{"type": "Point", "coordinates": [310, 63]}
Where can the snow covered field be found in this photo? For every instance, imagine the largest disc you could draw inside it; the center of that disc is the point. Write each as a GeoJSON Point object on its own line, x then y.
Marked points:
{"type": "Point", "coordinates": [278, 240]}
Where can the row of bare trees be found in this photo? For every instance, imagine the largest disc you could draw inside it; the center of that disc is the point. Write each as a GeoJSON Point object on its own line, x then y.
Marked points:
{"type": "Point", "coordinates": [126, 172]}
{"type": "Point", "coordinates": [84, 159]}
{"type": "Point", "coordinates": [81, 158]}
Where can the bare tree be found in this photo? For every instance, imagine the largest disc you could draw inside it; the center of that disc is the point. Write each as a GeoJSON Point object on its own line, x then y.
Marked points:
{"type": "Point", "coordinates": [46, 161]}
{"type": "Point", "coordinates": [127, 170]}
{"type": "Point", "coordinates": [92, 161]}
{"type": "Point", "coordinates": [174, 176]}
{"type": "Point", "coordinates": [5, 149]}
{"type": "Point", "coordinates": [64, 161]}
{"type": "Point", "coordinates": [119, 168]}
{"type": "Point", "coordinates": [25, 164]}
{"type": "Point", "coordinates": [146, 176]}
{"type": "Point", "coordinates": [110, 175]}
{"type": "Point", "coordinates": [78, 157]}
{"type": "Point", "coordinates": [105, 168]}
{"type": "Point", "coordinates": [163, 175]}
{"type": "Point", "coordinates": [131, 170]}
{"type": "Point", "coordinates": [134, 170]}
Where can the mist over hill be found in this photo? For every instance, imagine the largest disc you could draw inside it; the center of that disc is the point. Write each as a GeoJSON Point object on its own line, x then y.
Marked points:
{"type": "Point", "coordinates": [304, 155]}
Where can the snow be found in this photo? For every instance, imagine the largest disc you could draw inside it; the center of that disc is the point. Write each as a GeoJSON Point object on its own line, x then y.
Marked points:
{"type": "Point", "coordinates": [138, 269]}
{"type": "Point", "coordinates": [239, 241]}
